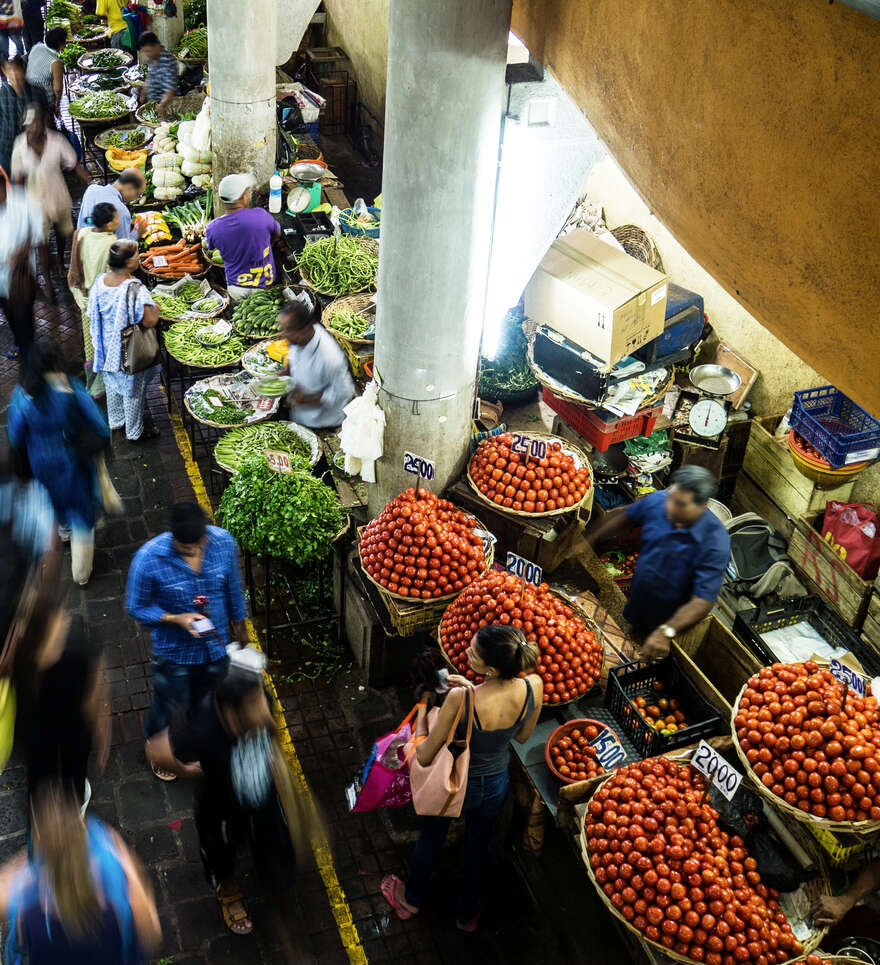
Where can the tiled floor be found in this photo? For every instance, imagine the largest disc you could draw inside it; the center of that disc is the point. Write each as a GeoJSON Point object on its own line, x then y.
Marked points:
{"type": "Point", "coordinates": [537, 910]}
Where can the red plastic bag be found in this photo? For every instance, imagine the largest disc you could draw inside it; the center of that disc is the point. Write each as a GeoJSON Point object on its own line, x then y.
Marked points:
{"type": "Point", "coordinates": [852, 530]}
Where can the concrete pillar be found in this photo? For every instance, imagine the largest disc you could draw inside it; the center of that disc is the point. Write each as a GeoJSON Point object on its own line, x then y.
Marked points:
{"type": "Point", "coordinates": [445, 101]}
{"type": "Point", "coordinates": [169, 30]}
{"type": "Point", "coordinates": [242, 85]}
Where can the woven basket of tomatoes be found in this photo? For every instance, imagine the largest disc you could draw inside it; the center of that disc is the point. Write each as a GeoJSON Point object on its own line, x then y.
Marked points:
{"type": "Point", "coordinates": [663, 865]}
{"type": "Point", "coordinates": [823, 958]}
{"type": "Point", "coordinates": [421, 547]}
{"type": "Point", "coordinates": [519, 483]}
{"type": "Point", "coordinates": [812, 745]}
{"type": "Point", "coordinates": [569, 642]}
{"type": "Point", "coordinates": [569, 754]}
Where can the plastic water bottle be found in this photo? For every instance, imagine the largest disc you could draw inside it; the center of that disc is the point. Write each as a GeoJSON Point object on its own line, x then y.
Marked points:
{"type": "Point", "coordinates": [275, 185]}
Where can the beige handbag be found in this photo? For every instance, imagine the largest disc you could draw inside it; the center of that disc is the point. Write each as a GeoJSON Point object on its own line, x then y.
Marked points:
{"type": "Point", "coordinates": [439, 788]}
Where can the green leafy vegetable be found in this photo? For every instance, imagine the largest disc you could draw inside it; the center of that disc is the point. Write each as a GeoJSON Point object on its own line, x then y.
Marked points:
{"type": "Point", "coordinates": [126, 140]}
{"type": "Point", "coordinates": [99, 105]}
{"type": "Point", "coordinates": [71, 54]}
{"type": "Point", "coordinates": [195, 13]}
{"type": "Point", "coordinates": [193, 45]}
{"type": "Point", "coordinates": [289, 515]}
{"type": "Point", "coordinates": [508, 373]}
{"type": "Point", "coordinates": [108, 58]}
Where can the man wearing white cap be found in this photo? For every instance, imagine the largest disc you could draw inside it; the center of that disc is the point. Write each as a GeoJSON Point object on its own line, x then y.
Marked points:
{"type": "Point", "coordinates": [243, 236]}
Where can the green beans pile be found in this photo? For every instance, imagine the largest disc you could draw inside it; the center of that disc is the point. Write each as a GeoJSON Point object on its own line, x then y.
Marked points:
{"type": "Point", "coordinates": [99, 105]}
{"type": "Point", "coordinates": [193, 45]}
{"type": "Point", "coordinates": [190, 291]}
{"type": "Point", "coordinates": [339, 267]}
{"type": "Point", "coordinates": [226, 413]}
{"type": "Point", "coordinates": [274, 386]}
{"type": "Point", "coordinates": [257, 314]}
{"type": "Point", "coordinates": [107, 58]}
{"type": "Point", "coordinates": [126, 140]}
{"type": "Point", "coordinates": [181, 342]}
{"type": "Point", "coordinates": [169, 306]}
{"type": "Point", "coordinates": [349, 323]}
{"type": "Point", "coordinates": [237, 445]}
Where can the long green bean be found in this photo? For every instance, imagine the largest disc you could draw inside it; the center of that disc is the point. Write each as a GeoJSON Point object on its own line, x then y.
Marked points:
{"type": "Point", "coordinates": [339, 267]}
{"type": "Point", "coordinates": [181, 342]}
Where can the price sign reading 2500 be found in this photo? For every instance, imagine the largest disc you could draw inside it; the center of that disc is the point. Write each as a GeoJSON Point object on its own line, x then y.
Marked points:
{"type": "Point", "coordinates": [526, 446]}
{"type": "Point", "coordinates": [418, 466]}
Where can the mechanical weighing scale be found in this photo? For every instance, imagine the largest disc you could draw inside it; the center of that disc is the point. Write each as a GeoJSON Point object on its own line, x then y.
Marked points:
{"type": "Point", "coordinates": [701, 417]}
{"type": "Point", "coordinates": [305, 195]}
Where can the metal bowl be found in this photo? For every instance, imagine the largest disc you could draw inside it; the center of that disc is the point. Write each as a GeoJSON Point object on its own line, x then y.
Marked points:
{"type": "Point", "coordinates": [715, 379]}
{"type": "Point", "coordinates": [308, 171]}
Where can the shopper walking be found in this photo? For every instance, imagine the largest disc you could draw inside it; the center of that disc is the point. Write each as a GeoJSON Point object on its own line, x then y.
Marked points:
{"type": "Point", "coordinates": [15, 96]}
{"type": "Point", "coordinates": [54, 420]}
{"type": "Point", "coordinates": [126, 188]}
{"type": "Point", "coordinates": [162, 78]}
{"type": "Point", "coordinates": [78, 896]}
{"type": "Point", "coordinates": [506, 707]}
{"type": "Point", "coordinates": [229, 745]}
{"type": "Point", "coordinates": [45, 69]}
{"type": "Point", "coordinates": [116, 302]}
{"type": "Point", "coordinates": [21, 237]}
{"type": "Point", "coordinates": [40, 159]}
{"type": "Point", "coordinates": [186, 585]}
{"type": "Point", "coordinates": [89, 258]}
{"type": "Point", "coordinates": [34, 28]}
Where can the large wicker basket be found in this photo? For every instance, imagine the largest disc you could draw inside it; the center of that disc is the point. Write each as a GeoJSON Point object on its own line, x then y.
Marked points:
{"type": "Point", "coordinates": [637, 243]}
{"type": "Point", "coordinates": [354, 303]}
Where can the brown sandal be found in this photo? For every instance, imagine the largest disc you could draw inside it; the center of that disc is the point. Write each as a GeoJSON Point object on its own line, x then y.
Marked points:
{"type": "Point", "coordinates": [162, 774]}
{"type": "Point", "coordinates": [238, 923]}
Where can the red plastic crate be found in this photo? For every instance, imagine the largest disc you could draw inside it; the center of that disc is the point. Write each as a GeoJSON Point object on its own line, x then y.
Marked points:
{"type": "Point", "coordinates": [596, 430]}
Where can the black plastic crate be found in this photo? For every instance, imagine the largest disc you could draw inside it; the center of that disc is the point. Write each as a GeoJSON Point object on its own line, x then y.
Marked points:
{"type": "Point", "coordinates": [637, 679]}
{"type": "Point", "coordinates": [750, 624]}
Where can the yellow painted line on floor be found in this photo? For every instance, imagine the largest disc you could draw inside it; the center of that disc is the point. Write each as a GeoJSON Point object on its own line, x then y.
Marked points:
{"type": "Point", "coordinates": [351, 941]}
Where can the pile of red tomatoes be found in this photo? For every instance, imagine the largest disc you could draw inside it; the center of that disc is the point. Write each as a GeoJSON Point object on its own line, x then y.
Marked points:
{"type": "Point", "coordinates": [811, 744]}
{"type": "Point", "coordinates": [423, 547]}
{"type": "Point", "coordinates": [670, 871]}
{"type": "Point", "coordinates": [515, 481]}
{"type": "Point", "coordinates": [571, 656]}
{"type": "Point", "coordinates": [574, 757]}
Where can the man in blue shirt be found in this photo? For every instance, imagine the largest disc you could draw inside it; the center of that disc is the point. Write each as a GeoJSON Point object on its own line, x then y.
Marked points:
{"type": "Point", "coordinates": [186, 585]}
{"type": "Point", "coordinates": [684, 553]}
{"type": "Point", "coordinates": [128, 187]}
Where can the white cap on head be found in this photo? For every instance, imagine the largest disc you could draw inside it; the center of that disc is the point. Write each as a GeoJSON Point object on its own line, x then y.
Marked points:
{"type": "Point", "coordinates": [233, 186]}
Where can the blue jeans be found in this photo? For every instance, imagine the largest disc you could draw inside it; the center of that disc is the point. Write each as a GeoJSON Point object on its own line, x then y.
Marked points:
{"type": "Point", "coordinates": [482, 802]}
{"type": "Point", "coordinates": [177, 685]}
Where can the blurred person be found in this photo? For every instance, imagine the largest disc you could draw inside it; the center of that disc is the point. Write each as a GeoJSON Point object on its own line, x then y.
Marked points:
{"type": "Point", "coordinates": [127, 187]}
{"type": "Point", "coordinates": [229, 745]}
{"type": "Point", "coordinates": [80, 897]}
{"type": "Point", "coordinates": [176, 580]}
{"type": "Point", "coordinates": [34, 28]}
{"type": "Point", "coordinates": [54, 420]}
{"type": "Point", "coordinates": [857, 910]}
{"type": "Point", "coordinates": [244, 237]}
{"type": "Point", "coordinates": [116, 301]}
{"type": "Point", "coordinates": [684, 554]}
{"type": "Point", "coordinates": [324, 385]}
{"type": "Point", "coordinates": [506, 707]}
{"type": "Point", "coordinates": [11, 22]}
{"type": "Point", "coordinates": [89, 258]}
{"type": "Point", "coordinates": [40, 158]}
{"type": "Point", "coordinates": [162, 76]}
{"type": "Point", "coordinates": [45, 68]}
{"type": "Point", "coordinates": [15, 96]}
{"type": "Point", "coordinates": [112, 10]}
{"type": "Point", "coordinates": [21, 237]}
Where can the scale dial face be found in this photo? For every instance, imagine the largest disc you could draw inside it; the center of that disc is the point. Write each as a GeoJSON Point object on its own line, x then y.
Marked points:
{"type": "Point", "coordinates": [708, 418]}
{"type": "Point", "coordinates": [299, 198]}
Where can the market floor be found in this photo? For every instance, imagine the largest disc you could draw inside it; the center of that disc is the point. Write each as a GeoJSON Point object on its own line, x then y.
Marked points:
{"type": "Point", "coordinates": [537, 910]}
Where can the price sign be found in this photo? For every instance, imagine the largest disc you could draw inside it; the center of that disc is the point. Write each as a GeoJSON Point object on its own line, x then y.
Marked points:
{"type": "Point", "coordinates": [278, 461]}
{"type": "Point", "coordinates": [526, 446]}
{"type": "Point", "coordinates": [850, 678]}
{"type": "Point", "coordinates": [418, 466]}
{"type": "Point", "coordinates": [710, 763]}
{"type": "Point", "coordinates": [516, 565]}
{"type": "Point", "coordinates": [609, 750]}
{"type": "Point", "coordinates": [264, 403]}
{"type": "Point", "coordinates": [160, 261]}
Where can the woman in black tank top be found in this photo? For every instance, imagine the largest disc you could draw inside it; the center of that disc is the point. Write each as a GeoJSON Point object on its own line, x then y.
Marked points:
{"type": "Point", "coordinates": [506, 707]}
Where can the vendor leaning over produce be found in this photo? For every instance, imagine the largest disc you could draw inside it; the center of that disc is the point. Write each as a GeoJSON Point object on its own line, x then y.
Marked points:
{"type": "Point", "coordinates": [126, 188]}
{"type": "Point", "coordinates": [684, 553]}
{"type": "Point", "coordinates": [244, 237]}
{"type": "Point", "coordinates": [323, 384]}
{"type": "Point", "coordinates": [161, 82]}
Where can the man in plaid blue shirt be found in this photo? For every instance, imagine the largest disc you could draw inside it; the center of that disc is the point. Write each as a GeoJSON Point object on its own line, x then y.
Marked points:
{"type": "Point", "coordinates": [162, 77]}
{"type": "Point", "coordinates": [176, 581]}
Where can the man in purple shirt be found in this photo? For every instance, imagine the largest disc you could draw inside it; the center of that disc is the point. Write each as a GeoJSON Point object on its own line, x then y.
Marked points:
{"type": "Point", "coordinates": [243, 236]}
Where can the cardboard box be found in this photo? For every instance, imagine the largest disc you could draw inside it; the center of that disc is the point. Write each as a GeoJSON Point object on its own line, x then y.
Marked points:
{"type": "Point", "coordinates": [604, 300]}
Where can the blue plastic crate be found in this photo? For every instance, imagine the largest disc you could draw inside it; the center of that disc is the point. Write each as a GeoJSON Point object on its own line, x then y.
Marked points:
{"type": "Point", "coordinates": [841, 430]}
{"type": "Point", "coordinates": [310, 129]}
{"type": "Point", "coordinates": [683, 325]}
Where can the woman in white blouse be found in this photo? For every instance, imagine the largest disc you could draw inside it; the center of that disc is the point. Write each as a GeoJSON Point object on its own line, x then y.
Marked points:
{"type": "Point", "coordinates": [323, 384]}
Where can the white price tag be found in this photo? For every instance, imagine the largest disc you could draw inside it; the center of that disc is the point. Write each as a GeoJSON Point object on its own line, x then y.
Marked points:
{"type": "Point", "coordinates": [850, 678]}
{"type": "Point", "coordinates": [710, 763]}
{"type": "Point", "coordinates": [609, 750]}
{"type": "Point", "coordinates": [160, 261]}
{"type": "Point", "coordinates": [521, 567]}
{"type": "Point", "coordinates": [264, 403]}
{"type": "Point", "coordinates": [527, 446]}
{"type": "Point", "coordinates": [418, 466]}
{"type": "Point", "coordinates": [278, 461]}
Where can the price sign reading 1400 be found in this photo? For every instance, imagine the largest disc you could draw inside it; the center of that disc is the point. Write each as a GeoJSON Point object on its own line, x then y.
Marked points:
{"type": "Point", "coordinates": [527, 446]}
{"type": "Point", "coordinates": [516, 565]}
{"type": "Point", "coordinates": [418, 466]}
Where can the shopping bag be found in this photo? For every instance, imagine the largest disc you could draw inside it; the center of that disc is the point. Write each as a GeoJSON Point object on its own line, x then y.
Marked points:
{"type": "Point", "coordinates": [851, 530]}
{"type": "Point", "coordinates": [384, 782]}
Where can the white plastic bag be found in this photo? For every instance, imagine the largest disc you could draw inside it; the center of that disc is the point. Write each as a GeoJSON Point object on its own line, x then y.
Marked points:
{"type": "Point", "coordinates": [361, 434]}
{"type": "Point", "coordinates": [201, 133]}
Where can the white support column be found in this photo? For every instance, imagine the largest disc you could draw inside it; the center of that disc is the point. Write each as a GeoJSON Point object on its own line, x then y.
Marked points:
{"type": "Point", "coordinates": [242, 87]}
{"type": "Point", "coordinates": [445, 101]}
{"type": "Point", "coordinates": [169, 30]}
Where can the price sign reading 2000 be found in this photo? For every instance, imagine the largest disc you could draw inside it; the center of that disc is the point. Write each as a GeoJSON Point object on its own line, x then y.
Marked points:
{"type": "Point", "coordinates": [418, 466]}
